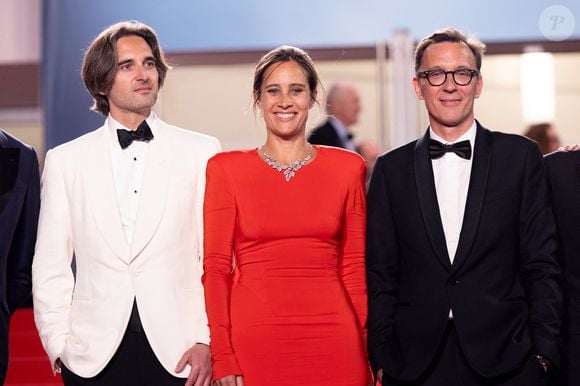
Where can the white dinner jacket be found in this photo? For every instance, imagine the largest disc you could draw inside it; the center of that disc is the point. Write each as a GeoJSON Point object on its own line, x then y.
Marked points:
{"type": "Point", "coordinates": [82, 320]}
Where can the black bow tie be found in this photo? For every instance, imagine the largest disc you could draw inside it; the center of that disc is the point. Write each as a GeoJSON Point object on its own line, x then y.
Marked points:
{"type": "Point", "coordinates": [126, 137]}
{"type": "Point", "coordinates": [438, 149]}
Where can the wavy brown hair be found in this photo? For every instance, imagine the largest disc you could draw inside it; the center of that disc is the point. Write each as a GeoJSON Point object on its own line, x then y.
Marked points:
{"type": "Point", "coordinates": [100, 61]}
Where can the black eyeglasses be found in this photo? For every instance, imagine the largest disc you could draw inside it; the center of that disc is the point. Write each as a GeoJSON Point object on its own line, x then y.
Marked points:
{"type": "Point", "coordinates": [461, 77]}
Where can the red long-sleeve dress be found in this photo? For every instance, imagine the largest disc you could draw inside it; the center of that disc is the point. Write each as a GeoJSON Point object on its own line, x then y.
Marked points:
{"type": "Point", "coordinates": [293, 310]}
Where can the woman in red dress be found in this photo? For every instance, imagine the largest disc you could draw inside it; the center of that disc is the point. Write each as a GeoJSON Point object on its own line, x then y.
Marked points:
{"type": "Point", "coordinates": [284, 277]}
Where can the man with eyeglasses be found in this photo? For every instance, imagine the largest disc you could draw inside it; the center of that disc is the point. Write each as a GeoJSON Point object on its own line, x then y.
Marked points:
{"type": "Point", "coordinates": [462, 277]}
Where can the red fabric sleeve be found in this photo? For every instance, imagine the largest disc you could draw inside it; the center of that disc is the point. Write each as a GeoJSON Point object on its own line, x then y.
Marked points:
{"type": "Point", "coordinates": [219, 222]}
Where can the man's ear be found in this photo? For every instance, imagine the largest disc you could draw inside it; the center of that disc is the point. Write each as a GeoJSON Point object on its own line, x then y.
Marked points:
{"type": "Point", "coordinates": [479, 86]}
{"type": "Point", "coordinates": [417, 88]}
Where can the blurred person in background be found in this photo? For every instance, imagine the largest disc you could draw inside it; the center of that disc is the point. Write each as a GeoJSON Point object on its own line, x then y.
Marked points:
{"type": "Point", "coordinates": [545, 135]}
{"type": "Point", "coordinates": [369, 151]}
{"type": "Point", "coordinates": [343, 108]}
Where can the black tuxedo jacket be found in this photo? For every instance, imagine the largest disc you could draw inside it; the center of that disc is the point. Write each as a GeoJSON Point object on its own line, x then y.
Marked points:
{"type": "Point", "coordinates": [19, 206]}
{"type": "Point", "coordinates": [564, 176]}
{"type": "Point", "coordinates": [503, 285]}
{"type": "Point", "coordinates": [325, 134]}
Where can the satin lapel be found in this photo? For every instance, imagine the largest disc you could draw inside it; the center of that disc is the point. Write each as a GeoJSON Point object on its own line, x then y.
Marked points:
{"type": "Point", "coordinates": [154, 189]}
{"type": "Point", "coordinates": [475, 194]}
{"type": "Point", "coordinates": [103, 197]}
{"type": "Point", "coordinates": [3, 140]}
{"type": "Point", "coordinates": [9, 167]}
{"type": "Point", "coordinates": [428, 200]}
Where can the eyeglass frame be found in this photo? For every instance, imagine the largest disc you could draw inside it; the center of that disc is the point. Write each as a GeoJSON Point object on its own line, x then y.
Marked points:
{"type": "Point", "coordinates": [425, 75]}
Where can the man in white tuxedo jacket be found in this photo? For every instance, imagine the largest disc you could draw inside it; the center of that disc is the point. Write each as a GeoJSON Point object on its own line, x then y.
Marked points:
{"type": "Point", "coordinates": [126, 200]}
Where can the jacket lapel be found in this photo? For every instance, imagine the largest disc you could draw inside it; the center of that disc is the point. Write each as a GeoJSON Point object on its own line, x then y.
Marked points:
{"type": "Point", "coordinates": [155, 187]}
{"type": "Point", "coordinates": [101, 188]}
{"type": "Point", "coordinates": [9, 164]}
{"type": "Point", "coordinates": [475, 195]}
{"type": "Point", "coordinates": [428, 200]}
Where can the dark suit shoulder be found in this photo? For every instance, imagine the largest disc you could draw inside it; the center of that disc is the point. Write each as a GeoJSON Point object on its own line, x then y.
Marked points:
{"type": "Point", "coordinates": [562, 157]}
{"type": "Point", "coordinates": [11, 141]}
{"type": "Point", "coordinates": [507, 147]}
{"type": "Point", "coordinates": [404, 152]}
{"type": "Point", "coordinates": [508, 139]}
{"type": "Point", "coordinates": [325, 134]}
{"type": "Point", "coordinates": [326, 125]}
{"type": "Point", "coordinates": [28, 164]}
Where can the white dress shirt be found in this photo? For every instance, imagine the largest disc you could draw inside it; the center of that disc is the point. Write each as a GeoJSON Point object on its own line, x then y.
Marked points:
{"type": "Point", "coordinates": [452, 174]}
{"type": "Point", "coordinates": [128, 170]}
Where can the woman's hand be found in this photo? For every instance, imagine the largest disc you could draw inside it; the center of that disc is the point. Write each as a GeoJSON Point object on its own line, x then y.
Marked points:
{"type": "Point", "coordinates": [230, 380]}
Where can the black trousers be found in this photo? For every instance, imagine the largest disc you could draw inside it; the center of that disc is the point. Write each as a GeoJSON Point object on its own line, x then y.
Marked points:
{"type": "Point", "coordinates": [134, 363]}
{"type": "Point", "coordinates": [450, 368]}
{"type": "Point", "coordinates": [570, 372]}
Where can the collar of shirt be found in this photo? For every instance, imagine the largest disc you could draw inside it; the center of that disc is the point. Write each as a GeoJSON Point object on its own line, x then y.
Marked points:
{"type": "Point", "coordinates": [342, 132]}
{"type": "Point", "coordinates": [468, 135]}
{"type": "Point", "coordinates": [128, 166]}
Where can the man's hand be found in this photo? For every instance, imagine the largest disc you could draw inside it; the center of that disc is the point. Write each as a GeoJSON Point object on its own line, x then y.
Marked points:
{"type": "Point", "coordinates": [544, 362]}
{"type": "Point", "coordinates": [380, 375]}
{"type": "Point", "coordinates": [199, 358]}
{"type": "Point", "coordinates": [230, 380]}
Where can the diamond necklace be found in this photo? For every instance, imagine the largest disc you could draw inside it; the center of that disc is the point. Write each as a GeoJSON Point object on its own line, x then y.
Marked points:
{"type": "Point", "coordinates": [291, 167]}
